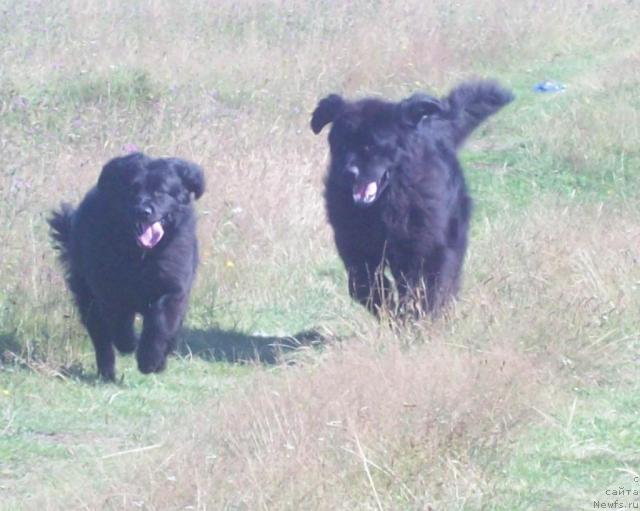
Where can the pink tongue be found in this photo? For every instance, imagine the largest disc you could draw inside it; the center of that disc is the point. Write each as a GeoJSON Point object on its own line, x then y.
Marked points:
{"type": "Point", "coordinates": [151, 235]}
{"type": "Point", "coordinates": [366, 191]}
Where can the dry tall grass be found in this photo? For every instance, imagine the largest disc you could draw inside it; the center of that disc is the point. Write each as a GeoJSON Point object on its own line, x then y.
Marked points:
{"type": "Point", "coordinates": [382, 419]}
{"type": "Point", "coordinates": [378, 421]}
{"type": "Point", "coordinates": [231, 85]}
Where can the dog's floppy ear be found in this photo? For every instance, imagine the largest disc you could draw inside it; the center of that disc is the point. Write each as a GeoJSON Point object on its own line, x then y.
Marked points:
{"type": "Point", "coordinates": [327, 110]}
{"type": "Point", "coordinates": [192, 176]}
{"type": "Point", "coordinates": [116, 170]}
{"type": "Point", "coordinates": [417, 106]}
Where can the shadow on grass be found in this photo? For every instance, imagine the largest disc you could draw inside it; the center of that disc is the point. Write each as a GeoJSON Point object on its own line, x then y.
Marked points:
{"type": "Point", "coordinates": [229, 346]}
{"type": "Point", "coordinates": [214, 345]}
{"type": "Point", "coordinates": [9, 344]}
{"type": "Point", "coordinates": [13, 356]}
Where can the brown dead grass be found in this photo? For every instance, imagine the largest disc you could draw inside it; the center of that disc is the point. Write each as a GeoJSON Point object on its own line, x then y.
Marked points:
{"type": "Point", "coordinates": [381, 419]}
{"type": "Point", "coordinates": [360, 430]}
{"type": "Point", "coordinates": [414, 420]}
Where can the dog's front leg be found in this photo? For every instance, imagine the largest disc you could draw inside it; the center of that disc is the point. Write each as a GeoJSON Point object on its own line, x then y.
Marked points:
{"type": "Point", "coordinates": [369, 286]}
{"type": "Point", "coordinates": [161, 323]}
{"type": "Point", "coordinates": [432, 295]}
{"type": "Point", "coordinates": [419, 281]}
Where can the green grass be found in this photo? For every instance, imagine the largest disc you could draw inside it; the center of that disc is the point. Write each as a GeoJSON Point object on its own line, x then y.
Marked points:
{"type": "Point", "coordinates": [51, 421]}
{"type": "Point", "coordinates": [577, 455]}
{"type": "Point", "coordinates": [522, 168]}
{"type": "Point", "coordinates": [552, 272]}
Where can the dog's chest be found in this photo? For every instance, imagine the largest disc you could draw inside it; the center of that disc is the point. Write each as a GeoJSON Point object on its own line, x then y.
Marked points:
{"type": "Point", "coordinates": [365, 228]}
{"type": "Point", "coordinates": [129, 277]}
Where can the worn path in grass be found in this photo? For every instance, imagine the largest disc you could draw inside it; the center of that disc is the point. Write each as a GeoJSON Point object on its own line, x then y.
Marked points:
{"type": "Point", "coordinates": [49, 420]}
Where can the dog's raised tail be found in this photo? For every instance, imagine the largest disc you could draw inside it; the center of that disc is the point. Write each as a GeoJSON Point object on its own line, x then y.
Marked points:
{"type": "Point", "coordinates": [60, 223]}
{"type": "Point", "coordinates": [470, 103]}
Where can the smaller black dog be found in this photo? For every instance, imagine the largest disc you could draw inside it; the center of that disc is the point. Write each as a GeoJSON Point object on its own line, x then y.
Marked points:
{"type": "Point", "coordinates": [395, 192]}
{"type": "Point", "coordinates": [131, 248]}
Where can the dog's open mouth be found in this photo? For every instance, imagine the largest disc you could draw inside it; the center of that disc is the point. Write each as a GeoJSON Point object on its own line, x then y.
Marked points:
{"type": "Point", "coordinates": [149, 235]}
{"type": "Point", "coordinates": [366, 193]}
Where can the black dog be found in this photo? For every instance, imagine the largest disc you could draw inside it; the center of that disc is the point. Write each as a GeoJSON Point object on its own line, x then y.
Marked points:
{"type": "Point", "coordinates": [131, 247]}
{"type": "Point", "coordinates": [395, 192]}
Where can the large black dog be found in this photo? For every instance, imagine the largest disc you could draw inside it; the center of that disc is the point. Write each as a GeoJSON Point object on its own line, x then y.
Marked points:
{"type": "Point", "coordinates": [130, 247]}
{"type": "Point", "coordinates": [395, 192]}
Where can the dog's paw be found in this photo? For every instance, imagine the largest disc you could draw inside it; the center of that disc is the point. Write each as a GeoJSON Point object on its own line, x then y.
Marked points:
{"type": "Point", "coordinates": [151, 360]}
{"type": "Point", "coordinates": [107, 374]}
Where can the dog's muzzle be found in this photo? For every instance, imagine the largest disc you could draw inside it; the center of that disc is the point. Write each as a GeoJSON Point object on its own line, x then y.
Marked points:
{"type": "Point", "coordinates": [148, 235]}
{"type": "Point", "coordinates": [367, 192]}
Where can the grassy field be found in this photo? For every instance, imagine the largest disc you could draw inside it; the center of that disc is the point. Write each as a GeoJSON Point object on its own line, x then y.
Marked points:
{"type": "Point", "coordinates": [525, 397]}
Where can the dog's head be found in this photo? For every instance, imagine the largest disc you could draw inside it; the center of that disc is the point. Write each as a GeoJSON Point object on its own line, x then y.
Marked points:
{"type": "Point", "coordinates": [150, 196]}
{"type": "Point", "coordinates": [368, 139]}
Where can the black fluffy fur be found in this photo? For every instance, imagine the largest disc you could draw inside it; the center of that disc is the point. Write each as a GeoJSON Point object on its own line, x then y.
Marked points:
{"type": "Point", "coordinates": [414, 219]}
{"type": "Point", "coordinates": [111, 276]}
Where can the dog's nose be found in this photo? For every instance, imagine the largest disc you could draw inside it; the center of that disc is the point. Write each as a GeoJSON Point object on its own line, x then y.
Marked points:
{"type": "Point", "coordinates": [144, 211]}
{"type": "Point", "coordinates": [353, 169]}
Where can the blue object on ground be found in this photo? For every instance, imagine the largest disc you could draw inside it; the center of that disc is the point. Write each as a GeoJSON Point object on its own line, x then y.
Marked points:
{"type": "Point", "coordinates": [549, 86]}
